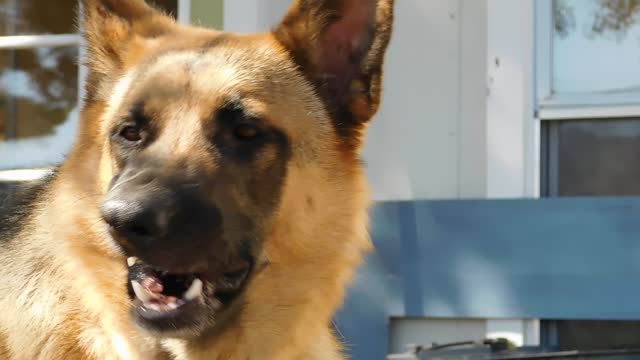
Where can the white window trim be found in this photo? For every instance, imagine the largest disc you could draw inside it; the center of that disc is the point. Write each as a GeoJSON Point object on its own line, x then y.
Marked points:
{"type": "Point", "coordinates": [513, 129]}
{"type": "Point", "coordinates": [23, 175]}
{"type": "Point", "coordinates": [184, 11]}
{"type": "Point", "coordinates": [551, 106]}
{"type": "Point", "coordinates": [543, 49]}
{"type": "Point", "coordinates": [513, 140]}
{"type": "Point", "coordinates": [34, 41]}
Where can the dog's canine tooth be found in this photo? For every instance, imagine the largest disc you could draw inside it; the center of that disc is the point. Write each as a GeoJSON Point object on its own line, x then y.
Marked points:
{"type": "Point", "coordinates": [194, 291]}
{"type": "Point", "coordinates": [132, 261]}
{"type": "Point", "coordinates": [143, 294]}
{"type": "Point", "coordinates": [209, 289]}
{"type": "Point", "coordinates": [217, 305]}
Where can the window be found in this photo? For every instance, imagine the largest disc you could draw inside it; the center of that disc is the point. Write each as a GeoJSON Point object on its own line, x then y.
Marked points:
{"type": "Point", "coordinates": [588, 104]}
{"type": "Point", "coordinates": [591, 157]}
{"type": "Point", "coordinates": [588, 96]}
{"type": "Point", "coordinates": [40, 81]}
{"type": "Point", "coordinates": [592, 335]}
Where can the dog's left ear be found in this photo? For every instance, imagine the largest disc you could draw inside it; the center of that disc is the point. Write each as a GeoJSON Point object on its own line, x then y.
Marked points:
{"type": "Point", "coordinates": [340, 47]}
{"type": "Point", "coordinates": [114, 29]}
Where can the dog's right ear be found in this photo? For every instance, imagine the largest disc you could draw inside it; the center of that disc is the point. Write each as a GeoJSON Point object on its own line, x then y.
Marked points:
{"type": "Point", "coordinates": [340, 45]}
{"type": "Point", "coordinates": [113, 29]}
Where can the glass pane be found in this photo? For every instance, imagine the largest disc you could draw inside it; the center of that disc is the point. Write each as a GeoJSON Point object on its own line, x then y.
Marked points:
{"type": "Point", "coordinates": [594, 158]}
{"type": "Point", "coordinates": [38, 100]}
{"type": "Point", "coordinates": [18, 17]}
{"type": "Point", "coordinates": [598, 335]}
{"type": "Point", "coordinates": [596, 47]}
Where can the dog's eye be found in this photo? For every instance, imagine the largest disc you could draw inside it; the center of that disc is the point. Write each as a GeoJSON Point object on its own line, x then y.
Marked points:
{"type": "Point", "coordinates": [131, 133]}
{"type": "Point", "coordinates": [246, 132]}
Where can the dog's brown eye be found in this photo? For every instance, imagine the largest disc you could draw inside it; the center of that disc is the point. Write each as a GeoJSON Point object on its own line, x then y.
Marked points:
{"type": "Point", "coordinates": [131, 133]}
{"type": "Point", "coordinates": [246, 132]}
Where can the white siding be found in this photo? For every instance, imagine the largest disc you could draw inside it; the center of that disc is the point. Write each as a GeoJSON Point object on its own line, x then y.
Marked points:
{"type": "Point", "coordinates": [511, 148]}
{"type": "Point", "coordinates": [413, 145]}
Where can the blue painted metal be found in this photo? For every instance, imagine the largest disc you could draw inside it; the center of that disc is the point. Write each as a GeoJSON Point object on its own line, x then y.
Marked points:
{"type": "Point", "coordinates": [563, 258]}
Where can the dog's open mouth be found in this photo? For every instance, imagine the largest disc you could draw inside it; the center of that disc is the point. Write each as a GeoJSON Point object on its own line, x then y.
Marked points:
{"type": "Point", "coordinates": [165, 301]}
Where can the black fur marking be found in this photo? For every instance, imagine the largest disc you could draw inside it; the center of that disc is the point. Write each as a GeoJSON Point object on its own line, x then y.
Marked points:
{"type": "Point", "coordinates": [233, 115]}
{"type": "Point", "coordinates": [17, 205]}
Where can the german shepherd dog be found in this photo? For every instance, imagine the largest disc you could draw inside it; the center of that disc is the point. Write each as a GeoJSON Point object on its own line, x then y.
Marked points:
{"type": "Point", "coordinates": [214, 205]}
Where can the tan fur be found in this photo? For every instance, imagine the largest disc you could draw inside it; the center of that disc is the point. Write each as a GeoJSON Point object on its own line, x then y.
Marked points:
{"type": "Point", "coordinates": [63, 287]}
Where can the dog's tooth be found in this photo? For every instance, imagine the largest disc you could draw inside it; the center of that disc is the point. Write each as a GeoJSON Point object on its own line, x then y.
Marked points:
{"type": "Point", "coordinates": [172, 306]}
{"type": "Point", "coordinates": [154, 307]}
{"type": "Point", "coordinates": [143, 294]}
{"type": "Point", "coordinates": [132, 261]}
{"type": "Point", "coordinates": [152, 284]}
{"type": "Point", "coordinates": [170, 300]}
{"type": "Point", "coordinates": [217, 305]}
{"type": "Point", "coordinates": [194, 291]}
{"type": "Point", "coordinates": [209, 289]}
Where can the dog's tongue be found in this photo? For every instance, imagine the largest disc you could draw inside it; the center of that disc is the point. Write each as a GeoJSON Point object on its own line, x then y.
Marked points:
{"type": "Point", "coordinates": [152, 284]}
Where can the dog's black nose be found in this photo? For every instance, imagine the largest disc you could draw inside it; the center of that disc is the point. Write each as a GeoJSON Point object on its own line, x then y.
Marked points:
{"type": "Point", "coordinates": [164, 220]}
{"type": "Point", "coordinates": [135, 219]}
{"type": "Point", "coordinates": [137, 208]}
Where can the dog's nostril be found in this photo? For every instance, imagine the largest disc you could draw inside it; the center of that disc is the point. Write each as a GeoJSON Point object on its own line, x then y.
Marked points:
{"type": "Point", "coordinates": [138, 230]}
{"type": "Point", "coordinates": [141, 225]}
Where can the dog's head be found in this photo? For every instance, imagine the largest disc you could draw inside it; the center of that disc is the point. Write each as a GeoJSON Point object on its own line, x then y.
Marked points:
{"type": "Point", "coordinates": [221, 153]}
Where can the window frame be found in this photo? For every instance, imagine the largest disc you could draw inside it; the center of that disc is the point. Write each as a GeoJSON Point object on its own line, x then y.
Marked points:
{"type": "Point", "coordinates": [552, 106]}
{"type": "Point", "coordinates": [18, 42]}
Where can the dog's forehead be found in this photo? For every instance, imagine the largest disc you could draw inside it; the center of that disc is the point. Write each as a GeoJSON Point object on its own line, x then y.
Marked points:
{"type": "Point", "coordinates": [213, 72]}
{"type": "Point", "coordinates": [201, 80]}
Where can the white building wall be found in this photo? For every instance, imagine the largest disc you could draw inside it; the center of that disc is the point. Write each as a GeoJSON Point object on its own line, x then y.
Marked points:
{"type": "Point", "coordinates": [412, 150]}
{"type": "Point", "coordinates": [512, 155]}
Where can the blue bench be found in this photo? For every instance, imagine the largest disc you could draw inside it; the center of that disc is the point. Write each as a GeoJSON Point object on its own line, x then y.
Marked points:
{"type": "Point", "coordinates": [565, 258]}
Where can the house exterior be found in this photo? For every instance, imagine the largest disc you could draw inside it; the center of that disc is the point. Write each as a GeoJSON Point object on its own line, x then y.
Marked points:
{"type": "Point", "coordinates": [502, 162]}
